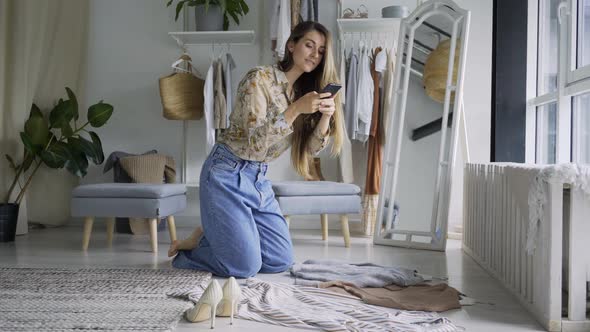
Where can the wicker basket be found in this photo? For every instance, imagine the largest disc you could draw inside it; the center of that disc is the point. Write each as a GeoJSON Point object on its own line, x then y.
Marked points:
{"type": "Point", "coordinates": [182, 93]}
{"type": "Point", "coordinates": [435, 71]}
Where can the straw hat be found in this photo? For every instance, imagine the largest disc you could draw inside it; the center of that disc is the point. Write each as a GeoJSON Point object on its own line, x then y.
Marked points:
{"type": "Point", "coordinates": [435, 71]}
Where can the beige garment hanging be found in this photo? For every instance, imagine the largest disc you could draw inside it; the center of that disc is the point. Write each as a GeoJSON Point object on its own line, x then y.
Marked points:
{"type": "Point", "coordinates": [374, 158]}
{"type": "Point", "coordinates": [388, 79]}
{"type": "Point", "coordinates": [295, 13]}
{"type": "Point", "coordinates": [219, 101]}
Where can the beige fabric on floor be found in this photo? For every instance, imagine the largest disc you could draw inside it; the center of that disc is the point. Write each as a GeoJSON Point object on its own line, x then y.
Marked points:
{"type": "Point", "coordinates": [437, 298]}
{"type": "Point", "coordinates": [150, 168]}
{"type": "Point", "coordinates": [42, 45]}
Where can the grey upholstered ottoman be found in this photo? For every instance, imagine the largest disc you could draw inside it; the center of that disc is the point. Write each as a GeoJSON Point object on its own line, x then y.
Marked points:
{"type": "Point", "coordinates": [319, 197]}
{"type": "Point", "coordinates": [110, 200]}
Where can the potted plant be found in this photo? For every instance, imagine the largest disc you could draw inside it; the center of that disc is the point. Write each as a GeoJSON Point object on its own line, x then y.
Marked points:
{"type": "Point", "coordinates": [56, 141]}
{"type": "Point", "coordinates": [212, 15]}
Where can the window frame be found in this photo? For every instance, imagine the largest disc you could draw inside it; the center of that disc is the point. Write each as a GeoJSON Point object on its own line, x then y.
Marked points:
{"type": "Point", "coordinates": [571, 81]}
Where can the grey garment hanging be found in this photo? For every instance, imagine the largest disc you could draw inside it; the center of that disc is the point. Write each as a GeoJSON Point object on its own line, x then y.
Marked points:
{"type": "Point", "coordinates": [309, 10]}
{"type": "Point", "coordinates": [351, 116]}
{"type": "Point", "coordinates": [229, 93]}
{"type": "Point", "coordinates": [316, 12]}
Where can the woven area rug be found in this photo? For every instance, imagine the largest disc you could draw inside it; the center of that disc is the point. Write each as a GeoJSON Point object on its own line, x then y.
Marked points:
{"type": "Point", "coordinates": [55, 299]}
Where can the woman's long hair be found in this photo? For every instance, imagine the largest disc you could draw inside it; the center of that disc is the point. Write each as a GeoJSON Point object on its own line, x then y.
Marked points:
{"type": "Point", "coordinates": [315, 80]}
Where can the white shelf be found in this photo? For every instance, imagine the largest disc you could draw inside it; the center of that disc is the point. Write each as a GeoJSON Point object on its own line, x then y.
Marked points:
{"type": "Point", "coordinates": [349, 25]}
{"type": "Point", "coordinates": [186, 38]}
{"type": "Point", "coordinates": [192, 184]}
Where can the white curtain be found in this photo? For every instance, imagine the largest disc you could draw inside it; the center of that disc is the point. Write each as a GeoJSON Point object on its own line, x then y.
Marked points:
{"type": "Point", "coordinates": [43, 46]}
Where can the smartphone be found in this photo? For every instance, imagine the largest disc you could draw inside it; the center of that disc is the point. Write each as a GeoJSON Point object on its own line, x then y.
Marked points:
{"type": "Point", "coordinates": [332, 88]}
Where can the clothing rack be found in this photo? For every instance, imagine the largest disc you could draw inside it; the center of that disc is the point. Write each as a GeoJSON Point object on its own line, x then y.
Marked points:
{"type": "Point", "coordinates": [186, 39]}
{"type": "Point", "coordinates": [379, 26]}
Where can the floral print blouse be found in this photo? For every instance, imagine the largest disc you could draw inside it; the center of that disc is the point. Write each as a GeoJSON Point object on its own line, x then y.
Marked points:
{"type": "Point", "coordinates": [257, 128]}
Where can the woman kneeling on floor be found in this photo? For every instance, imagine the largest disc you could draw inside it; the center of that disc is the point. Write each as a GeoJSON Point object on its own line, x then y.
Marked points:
{"type": "Point", "coordinates": [243, 230]}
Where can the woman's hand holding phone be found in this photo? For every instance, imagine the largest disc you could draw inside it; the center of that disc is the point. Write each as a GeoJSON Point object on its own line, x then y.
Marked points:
{"type": "Point", "coordinates": [311, 102]}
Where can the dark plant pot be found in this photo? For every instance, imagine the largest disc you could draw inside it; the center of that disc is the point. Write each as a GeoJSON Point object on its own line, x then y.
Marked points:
{"type": "Point", "coordinates": [8, 219]}
{"type": "Point", "coordinates": [212, 20]}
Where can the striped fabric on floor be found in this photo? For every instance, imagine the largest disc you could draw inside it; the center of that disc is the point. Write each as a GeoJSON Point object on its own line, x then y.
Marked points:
{"type": "Point", "coordinates": [313, 308]}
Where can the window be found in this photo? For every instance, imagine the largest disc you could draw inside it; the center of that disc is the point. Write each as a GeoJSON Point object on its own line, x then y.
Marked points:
{"type": "Point", "coordinates": [548, 47]}
{"type": "Point", "coordinates": [581, 129]}
{"type": "Point", "coordinates": [583, 31]}
{"type": "Point", "coordinates": [558, 105]}
{"type": "Point", "coordinates": [546, 134]}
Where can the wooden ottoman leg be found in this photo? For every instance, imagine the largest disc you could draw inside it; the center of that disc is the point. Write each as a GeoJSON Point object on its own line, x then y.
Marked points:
{"type": "Point", "coordinates": [288, 219]}
{"type": "Point", "coordinates": [88, 221]}
{"type": "Point", "coordinates": [171, 228]}
{"type": "Point", "coordinates": [110, 230]}
{"type": "Point", "coordinates": [324, 218]}
{"type": "Point", "coordinates": [345, 231]}
{"type": "Point", "coordinates": [154, 234]}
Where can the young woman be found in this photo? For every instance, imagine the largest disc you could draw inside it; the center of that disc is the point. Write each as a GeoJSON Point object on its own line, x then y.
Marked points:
{"type": "Point", "coordinates": [243, 231]}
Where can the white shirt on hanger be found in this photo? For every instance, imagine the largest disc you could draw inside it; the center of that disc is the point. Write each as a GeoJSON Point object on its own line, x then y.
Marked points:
{"type": "Point", "coordinates": [388, 90]}
{"type": "Point", "coordinates": [209, 97]}
{"type": "Point", "coordinates": [365, 96]}
{"type": "Point", "coordinates": [283, 27]}
{"type": "Point", "coordinates": [381, 61]}
{"type": "Point", "coordinates": [274, 19]}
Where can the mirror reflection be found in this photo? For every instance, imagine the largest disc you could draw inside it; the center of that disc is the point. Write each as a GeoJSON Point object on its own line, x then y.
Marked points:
{"type": "Point", "coordinates": [421, 136]}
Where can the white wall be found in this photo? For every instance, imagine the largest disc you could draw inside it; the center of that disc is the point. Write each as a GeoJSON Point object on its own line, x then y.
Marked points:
{"type": "Point", "coordinates": [129, 49]}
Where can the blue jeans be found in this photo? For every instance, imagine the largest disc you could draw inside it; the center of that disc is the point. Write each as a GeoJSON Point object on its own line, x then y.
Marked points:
{"type": "Point", "coordinates": [244, 229]}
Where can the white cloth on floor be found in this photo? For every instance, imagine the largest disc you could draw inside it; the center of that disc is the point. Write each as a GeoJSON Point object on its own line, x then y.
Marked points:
{"type": "Point", "coordinates": [314, 308]}
{"type": "Point", "coordinates": [312, 272]}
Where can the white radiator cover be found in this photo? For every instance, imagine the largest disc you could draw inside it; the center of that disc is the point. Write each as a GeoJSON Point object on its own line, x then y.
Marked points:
{"type": "Point", "coordinates": [498, 201]}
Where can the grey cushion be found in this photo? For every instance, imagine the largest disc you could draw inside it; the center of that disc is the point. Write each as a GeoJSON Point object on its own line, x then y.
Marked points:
{"type": "Point", "coordinates": [129, 190]}
{"type": "Point", "coordinates": [314, 188]}
{"type": "Point", "coordinates": [299, 205]}
{"type": "Point", "coordinates": [127, 207]}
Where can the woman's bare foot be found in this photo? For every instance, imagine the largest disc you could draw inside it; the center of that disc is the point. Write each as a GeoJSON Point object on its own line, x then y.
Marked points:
{"type": "Point", "coordinates": [189, 243]}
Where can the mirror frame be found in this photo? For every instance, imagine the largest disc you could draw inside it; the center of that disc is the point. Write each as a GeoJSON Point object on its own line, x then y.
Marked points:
{"type": "Point", "coordinates": [460, 19]}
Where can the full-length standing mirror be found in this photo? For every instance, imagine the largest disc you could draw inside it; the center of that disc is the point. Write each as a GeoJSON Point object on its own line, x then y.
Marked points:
{"type": "Point", "coordinates": [423, 127]}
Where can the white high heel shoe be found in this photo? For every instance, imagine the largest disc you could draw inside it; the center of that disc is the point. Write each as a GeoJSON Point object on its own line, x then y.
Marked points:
{"type": "Point", "coordinates": [206, 307]}
{"type": "Point", "coordinates": [231, 296]}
